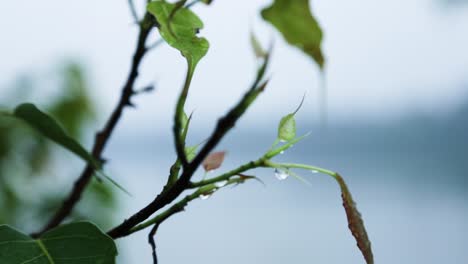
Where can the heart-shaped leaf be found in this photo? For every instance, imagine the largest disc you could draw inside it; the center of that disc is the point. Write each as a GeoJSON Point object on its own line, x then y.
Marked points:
{"type": "Point", "coordinates": [49, 128]}
{"type": "Point", "coordinates": [298, 26]}
{"type": "Point", "coordinates": [214, 161]}
{"type": "Point", "coordinates": [75, 243]}
{"type": "Point", "coordinates": [180, 30]}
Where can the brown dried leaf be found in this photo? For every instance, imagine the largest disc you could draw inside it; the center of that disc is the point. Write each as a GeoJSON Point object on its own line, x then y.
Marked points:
{"type": "Point", "coordinates": [214, 160]}
{"type": "Point", "coordinates": [355, 222]}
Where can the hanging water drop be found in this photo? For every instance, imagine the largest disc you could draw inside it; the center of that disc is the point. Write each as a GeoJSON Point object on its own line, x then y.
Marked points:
{"type": "Point", "coordinates": [281, 175]}
{"type": "Point", "coordinates": [282, 152]}
{"type": "Point", "coordinates": [205, 196]}
{"type": "Point", "coordinates": [221, 184]}
{"type": "Point", "coordinates": [314, 171]}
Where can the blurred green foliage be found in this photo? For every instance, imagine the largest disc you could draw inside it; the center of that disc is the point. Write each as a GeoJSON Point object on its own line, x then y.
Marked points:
{"type": "Point", "coordinates": [26, 156]}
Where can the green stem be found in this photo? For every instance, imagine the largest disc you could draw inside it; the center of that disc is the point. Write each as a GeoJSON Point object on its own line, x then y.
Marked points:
{"type": "Point", "coordinates": [179, 206]}
{"type": "Point", "coordinates": [178, 133]}
{"type": "Point", "coordinates": [301, 166]}
{"type": "Point", "coordinates": [227, 176]}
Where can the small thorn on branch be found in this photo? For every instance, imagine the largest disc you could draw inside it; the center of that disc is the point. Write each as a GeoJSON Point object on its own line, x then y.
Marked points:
{"type": "Point", "coordinates": [147, 89]}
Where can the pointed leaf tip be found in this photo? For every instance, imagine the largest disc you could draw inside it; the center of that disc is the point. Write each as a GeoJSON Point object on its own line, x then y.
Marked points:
{"type": "Point", "coordinates": [50, 129]}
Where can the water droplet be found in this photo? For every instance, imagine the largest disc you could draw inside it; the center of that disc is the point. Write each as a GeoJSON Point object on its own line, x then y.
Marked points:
{"type": "Point", "coordinates": [281, 175]}
{"type": "Point", "coordinates": [221, 184]}
{"type": "Point", "coordinates": [314, 171]}
{"type": "Point", "coordinates": [282, 152]}
{"type": "Point", "coordinates": [205, 196]}
{"type": "Point", "coordinates": [282, 141]}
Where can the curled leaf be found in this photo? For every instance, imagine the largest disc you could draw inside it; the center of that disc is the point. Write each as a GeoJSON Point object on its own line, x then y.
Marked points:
{"type": "Point", "coordinates": [214, 160]}
{"type": "Point", "coordinates": [298, 26]}
{"type": "Point", "coordinates": [49, 128]}
{"type": "Point", "coordinates": [355, 222]}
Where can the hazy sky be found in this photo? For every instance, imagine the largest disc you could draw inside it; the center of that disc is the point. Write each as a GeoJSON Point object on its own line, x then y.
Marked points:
{"type": "Point", "coordinates": [385, 58]}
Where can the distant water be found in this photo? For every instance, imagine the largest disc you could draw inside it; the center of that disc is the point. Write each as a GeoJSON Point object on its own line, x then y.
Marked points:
{"type": "Point", "coordinates": [408, 178]}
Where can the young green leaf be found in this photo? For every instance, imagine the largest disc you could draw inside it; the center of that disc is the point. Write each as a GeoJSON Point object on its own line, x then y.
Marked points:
{"type": "Point", "coordinates": [180, 30]}
{"type": "Point", "coordinates": [287, 125]}
{"type": "Point", "coordinates": [257, 47]}
{"type": "Point", "coordinates": [80, 242]}
{"type": "Point", "coordinates": [49, 128]}
{"type": "Point", "coordinates": [297, 25]}
{"type": "Point", "coordinates": [191, 152]}
{"type": "Point", "coordinates": [184, 120]}
{"type": "Point", "coordinates": [214, 161]}
{"type": "Point", "coordinates": [287, 128]}
{"type": "Point", "coordinates": [355, 222]}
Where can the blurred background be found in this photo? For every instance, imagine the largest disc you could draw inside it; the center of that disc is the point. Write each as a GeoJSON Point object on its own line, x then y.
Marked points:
{"type": "Point", "coordinates": [397, 85]}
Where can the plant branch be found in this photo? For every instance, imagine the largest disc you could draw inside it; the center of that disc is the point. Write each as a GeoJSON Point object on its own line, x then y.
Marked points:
{"type": "Point", "coordinates": [180, 206]}
{"type": "Point", "coordinates": [152, 242]}
{"type": "Point", "coordinates": [227, 176]}
{"type": "Point", "coordinates": [169, 195]}
{"type": "Point", "coordinates": [178, 133]}
{"type": "Point", "coordinates": [104, 135]}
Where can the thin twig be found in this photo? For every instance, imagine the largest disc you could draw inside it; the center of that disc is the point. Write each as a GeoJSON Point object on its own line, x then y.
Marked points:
{"type": "Point", "coordinates": [153, 243]}
{"type": "Point", "coordinates": [104, 135]}
{"type": "Point", "coordinates": [133, 11]}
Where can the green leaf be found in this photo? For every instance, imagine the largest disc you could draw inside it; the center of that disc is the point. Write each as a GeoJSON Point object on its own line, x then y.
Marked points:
{"type": "Point", "coordinates": [257, 47]}
{"type": "Point", "coordinates": [191, 152]}
{"type": "Point", "coordinates": [76, 243]}
{"type": "Point", "coordinates": [49, 128]}
{"type": "Point", "coordinates": [184, 119]}
{"type": "Point", "coordinates": [355, 222]}
{"type": "Point", "coordinates": [298, 26]}
{"type": "Point", "coordinates": [180, 30]}
{"type": "Point", "coordinates": [287, 125]}
{"type": "Point", "coordinates": [287, 128]}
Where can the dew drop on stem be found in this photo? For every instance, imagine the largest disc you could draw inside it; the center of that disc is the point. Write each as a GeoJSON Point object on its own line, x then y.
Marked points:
{"type": "Point", "coordinates": [205, 196]}
{"type": "Point", "coordinates": [221, 184]}
{"type": "Point", "coordinates": [281, 175]}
